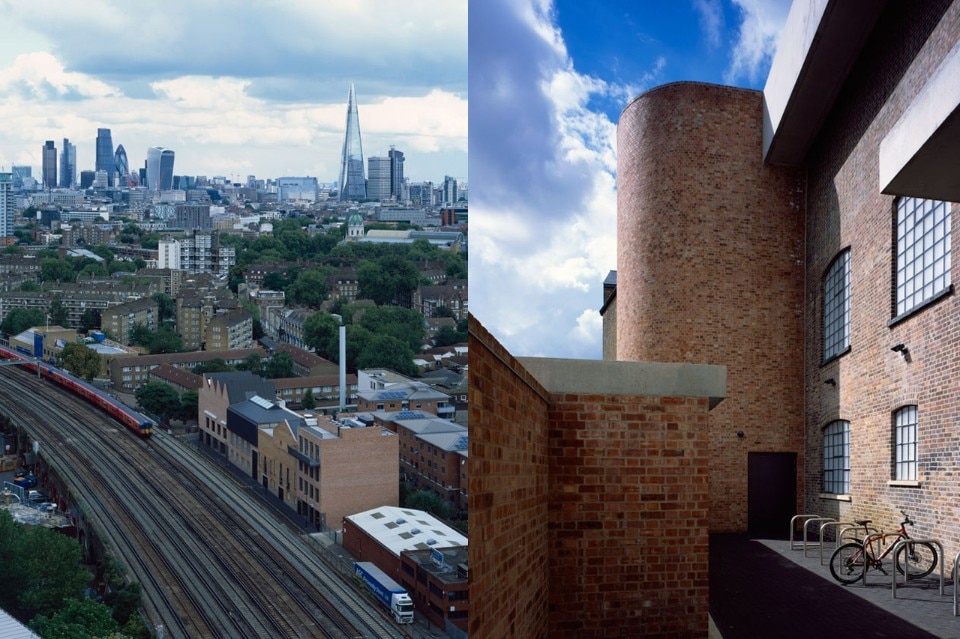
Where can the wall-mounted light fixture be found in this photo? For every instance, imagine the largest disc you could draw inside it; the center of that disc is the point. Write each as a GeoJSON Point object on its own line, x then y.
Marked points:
{"type": "Point", "coordinates": [740, 434]}
{"type": "Point", "coordinates": [830, 382]}
{"type": "Point", "coordinates": [900, 348]}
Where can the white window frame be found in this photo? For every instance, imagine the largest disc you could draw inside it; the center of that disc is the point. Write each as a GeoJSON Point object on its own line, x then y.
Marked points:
{"type": "Point", "coordinates": [905, 429]}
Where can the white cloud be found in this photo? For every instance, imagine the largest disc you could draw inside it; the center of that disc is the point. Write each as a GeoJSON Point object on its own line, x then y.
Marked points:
{"type": "Point", "coordinates": [711, 20]}
{"type": "Point", "coordinates": [260, 89]}
{"type": "Point", "coordinates": [762, 21]}
{"type": "Point", "coordinates": [544, 206]}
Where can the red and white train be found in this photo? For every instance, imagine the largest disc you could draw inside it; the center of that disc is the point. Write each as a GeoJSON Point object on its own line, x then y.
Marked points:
{"type": "Point", "coordinates": [141, 425]}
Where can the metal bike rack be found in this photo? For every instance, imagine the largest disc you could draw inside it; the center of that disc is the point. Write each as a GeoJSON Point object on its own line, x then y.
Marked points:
{"type": "Point", "coordinates": [793, 526]}
{"type": "Point", "coordinates": [906, 574]}
{"type": "Point", "coordinates": [806, 523]}
{"type": "Point", "coordinates": [866, 558]}
{"type": "Point", "coordinates": [867, 530]}
{"type": "Point", "coordinates": [849, 525]}
{"type": "Point", "coordinates": [956, 560]}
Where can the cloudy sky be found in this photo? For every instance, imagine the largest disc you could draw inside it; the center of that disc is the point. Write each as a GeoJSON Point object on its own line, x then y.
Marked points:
{"type": "Point", "coordinates": [543, 113]}
{"type": "Point", "coordinates": [237, 88]}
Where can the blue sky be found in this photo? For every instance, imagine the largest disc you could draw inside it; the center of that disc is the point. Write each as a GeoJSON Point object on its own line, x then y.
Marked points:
{"type": "Point", "coordinates": [237, 88]}
{"type": "Point", "coordinates": [548, 79]}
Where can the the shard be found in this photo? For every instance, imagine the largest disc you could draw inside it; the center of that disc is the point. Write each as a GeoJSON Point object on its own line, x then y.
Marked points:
{"type": "Point", "coordinates": [353, 184]}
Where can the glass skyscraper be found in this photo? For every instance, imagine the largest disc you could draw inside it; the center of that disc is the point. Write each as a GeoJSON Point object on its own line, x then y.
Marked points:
{"type": "Point", "coordinates": [68, 165]}
{"type": "Point", "coordinates": [159, 169]}
{"type": "Point", "coordinates": [396, 174]}
{"type": "Point", "coordinates": [105, 154]}
{"type": "Point", "coordinates": [121, 166]}
{"type": "Point", "coordinates": [49, 165]}
{"type": "Point", "coordinates": [353, 185]}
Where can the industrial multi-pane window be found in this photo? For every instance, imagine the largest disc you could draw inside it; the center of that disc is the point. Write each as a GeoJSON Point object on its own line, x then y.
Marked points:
{"type": "Point", "coordinates": [836, 458]}
{"type": "Point", "coordinates": [906, 443]}
{"type": "Point", "coordinates": [836, 307]}
{"type": "Point", "coordinates": [923, 251]}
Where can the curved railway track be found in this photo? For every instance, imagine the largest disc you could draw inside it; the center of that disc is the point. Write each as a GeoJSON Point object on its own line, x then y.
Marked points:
{"type": "Point", "coordinates": [210, 561]}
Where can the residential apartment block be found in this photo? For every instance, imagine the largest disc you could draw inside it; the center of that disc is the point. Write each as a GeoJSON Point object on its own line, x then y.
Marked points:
{"type": "Point", "coordinates": [118, 321]}
{"type": "Point", "coordinates": [229, 331]}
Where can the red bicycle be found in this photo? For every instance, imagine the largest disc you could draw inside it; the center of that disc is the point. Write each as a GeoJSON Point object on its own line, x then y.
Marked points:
{"type": "Point", "coordinates": [851, 560]}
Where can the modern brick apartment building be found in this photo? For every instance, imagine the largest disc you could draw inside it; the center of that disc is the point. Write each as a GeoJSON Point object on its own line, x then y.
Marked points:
{"type": "Point", "coordinates": [799, 237]}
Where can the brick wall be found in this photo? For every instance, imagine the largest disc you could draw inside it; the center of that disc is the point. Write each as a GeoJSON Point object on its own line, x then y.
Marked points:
{"type": "Point", "coordinates": [589, 510]}
{"type": "Point", "coordinates": [709, 268]}
{"type": "Point", "coordinates": [509, 580]}
{"type": "Point", "coordinates": [846, 210]}
{"type": "Point", "coordinates": [629, 501]}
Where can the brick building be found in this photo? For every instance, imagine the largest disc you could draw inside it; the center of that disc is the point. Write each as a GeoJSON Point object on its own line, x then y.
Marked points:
{"type": "Point", "coordinates": [119, 320]}
{"type": "Point", "coordinates": [130, 373]}
{"type": "Point", "coordinates": [437, 580]}
{"type": "Point", "coordinates": [799, 237]}
{"type": "Point", "coordinates": [816, 265]}
{"type": "Point", "coordinates": [229, 331]}
{"type": "Point", "coordinates": [584, 477]}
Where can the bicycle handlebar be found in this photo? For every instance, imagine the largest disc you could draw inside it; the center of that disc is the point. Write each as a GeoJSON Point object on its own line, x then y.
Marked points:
{"type": "Point", "coordinates": [907, 520]}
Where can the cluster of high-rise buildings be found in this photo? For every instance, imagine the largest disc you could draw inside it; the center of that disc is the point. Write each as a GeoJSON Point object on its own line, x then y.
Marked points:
{"type": "Point", "coordinates": [111, 167]}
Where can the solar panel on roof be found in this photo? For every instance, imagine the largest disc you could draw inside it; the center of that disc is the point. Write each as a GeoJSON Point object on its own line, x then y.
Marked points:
{"type": "Point", "coordinates": [462, 443]}
{"type": "Point", "coordinates": [391, 395]}
{"type": "Point", "coordinates": [409, 414]}
{"type": "Point", "coordinates": [261, 402]}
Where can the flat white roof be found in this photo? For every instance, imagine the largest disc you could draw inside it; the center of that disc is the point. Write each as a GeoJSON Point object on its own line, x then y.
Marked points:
{"type": "Point", "coordinates": [399, 529]}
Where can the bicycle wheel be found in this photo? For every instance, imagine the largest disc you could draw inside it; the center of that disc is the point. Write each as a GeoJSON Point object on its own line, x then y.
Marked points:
{"type": "Point", "coordinates": [846, 564]}
{"type": "Point", "coordinates": [919, 558]}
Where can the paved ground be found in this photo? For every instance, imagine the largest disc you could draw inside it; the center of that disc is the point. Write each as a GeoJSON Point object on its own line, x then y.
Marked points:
{"type": "Point", "coordinates": [762, 588]}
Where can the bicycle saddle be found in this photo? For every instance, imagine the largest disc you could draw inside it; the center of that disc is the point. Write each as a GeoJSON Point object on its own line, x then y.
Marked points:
{"type": "Point", "coordinates": [862, 522]}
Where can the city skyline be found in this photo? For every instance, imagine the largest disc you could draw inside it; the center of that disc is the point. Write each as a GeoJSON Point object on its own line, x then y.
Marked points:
{"type": "Point", "coordinates": [543, 153]}
{"type": "Point", "coordinates": [254, 92]}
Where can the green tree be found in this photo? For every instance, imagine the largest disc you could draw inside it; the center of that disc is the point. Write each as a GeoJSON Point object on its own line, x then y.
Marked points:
{"type": "Point", "coordinates": [122, 266]}
{"type": "Point", "coordinates": [429, 501]}
{"type": "Point", "coordinates": [90, 320]}
{"type": "Point", "coordinates": [54, 269]}
{"type": "Point", "coordinates": [253, 363]}
{"type": "Point", "coordinates": [278, 366]}
{"type": "Point", "coordinates": [160, 399]}
{"type": "Point", "coordinates": [321, 332]}
{"type": "Point", "coordinates": [447, 336]}
{"type": "Point", "coordinates": [386, 351]}
{"type": "Point", "coordinates": [310, 288]}
{"type": "Point", "coordinates": [309, 401]}
{"type": "Point", "coordinates": [140, 335]}
{"type": "Point", "coordinates": [442, 311]}
{"type": "Point", "coordinates": [189, 401]}
{"type": "Point", "coordinates": [103, 251]}
{"type": "Point", "coordinates": [29, 286]}
{"type": "Point", "coordinates": [47, 570]}
{"type": "Point", "coordinates": [387, 280]}
{"type": "Point", "coordinates": [165, 340]}
{"type": "Point", "coordinates": [77, 619]}
{"type": "Point", "coordinates": [94, 270]}
{"type": "Point", "coordinates": [58, 312]}
{"type": "Point", "coordinates": [167, 306]}
{"type": "Point", "coordinates": [215, 365]}
{"type": "Point", "coordinates": [20, 319]}
{"type": "Point", "coordinates": [403, 323]}
{"type": "Point", "coordinates": [80, 360]}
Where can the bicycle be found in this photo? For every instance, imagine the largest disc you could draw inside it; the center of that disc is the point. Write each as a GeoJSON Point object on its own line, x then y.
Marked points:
{"type": "Point", "coordinates": [851, 560]}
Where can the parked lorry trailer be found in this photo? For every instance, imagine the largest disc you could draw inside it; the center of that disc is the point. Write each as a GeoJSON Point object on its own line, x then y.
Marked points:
{"type": "Point", "coordinates": [387, 591]}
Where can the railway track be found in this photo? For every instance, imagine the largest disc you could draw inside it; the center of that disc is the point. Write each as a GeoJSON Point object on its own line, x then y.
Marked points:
{"type": "Point", "coordinates": [210, 562]}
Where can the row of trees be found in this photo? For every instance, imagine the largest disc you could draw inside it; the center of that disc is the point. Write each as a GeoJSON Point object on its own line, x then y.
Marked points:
{"type": "Point", "coordinates": [44, 581]}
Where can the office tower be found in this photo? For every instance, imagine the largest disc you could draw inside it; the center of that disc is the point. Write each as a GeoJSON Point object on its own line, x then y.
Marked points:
{"type": "Point", "coordinates": [352, 183]}
{"type": "Point", "coordinates": [159, 169]}
{"type": "Point", "coordinates": [396, 174]}
{"type": "Point", "coordinates": [449, 190]}
{"type": "Point", "coordinates": [6, 204]}
{"type": "Point", "coordinates": [122, 166]}
{"type": "Point", "coordinates": [68, 165]}
{"type": "Point", "coordinates": [378, 178]}
{"type": "Point", "coordinates": [86, 179]}
{"type": "Point", "coordinates": [49, 165]}
{"type": "Point", "coordinates": [105, 160]}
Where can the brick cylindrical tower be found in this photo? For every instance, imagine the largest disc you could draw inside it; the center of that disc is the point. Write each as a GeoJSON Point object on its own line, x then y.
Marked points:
{"type": "Point", "coordinates": [709, 270]}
